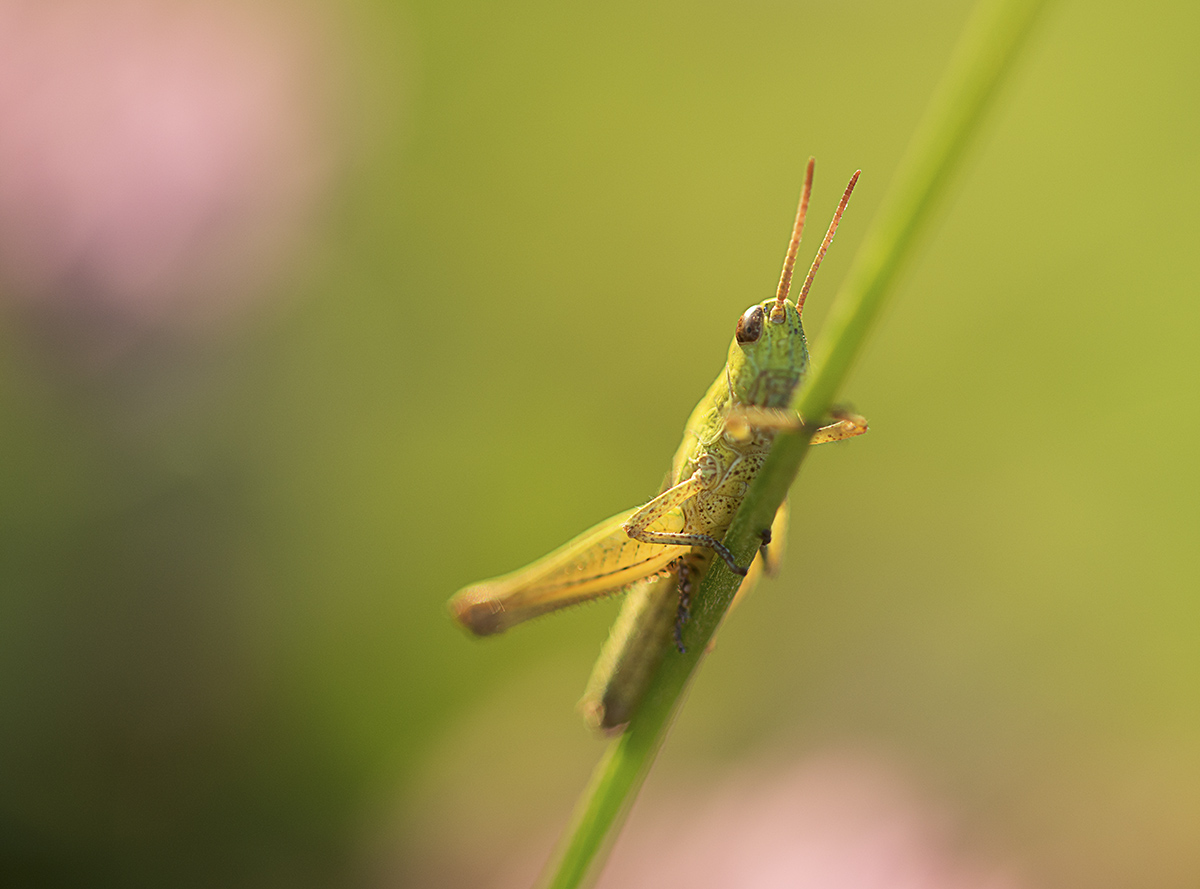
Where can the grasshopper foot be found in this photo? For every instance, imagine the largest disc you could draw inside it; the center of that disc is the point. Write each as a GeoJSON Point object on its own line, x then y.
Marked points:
{"type": "Point", "coordinates": [723, 551]}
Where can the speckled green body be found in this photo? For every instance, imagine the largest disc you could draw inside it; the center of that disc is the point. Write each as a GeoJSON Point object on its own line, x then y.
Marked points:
{"type": "Point", "coordinates": [764, 374]}
{"type": "Point", "coordinates": [760, 374]}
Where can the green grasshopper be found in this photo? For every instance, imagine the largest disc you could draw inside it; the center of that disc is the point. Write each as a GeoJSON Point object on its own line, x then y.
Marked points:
{"type": "Point", "coordinates": [659, 550]}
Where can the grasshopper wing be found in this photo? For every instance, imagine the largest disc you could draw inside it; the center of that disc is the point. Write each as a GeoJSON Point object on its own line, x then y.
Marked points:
{"type": "Point", "coordinates": [599, 561]}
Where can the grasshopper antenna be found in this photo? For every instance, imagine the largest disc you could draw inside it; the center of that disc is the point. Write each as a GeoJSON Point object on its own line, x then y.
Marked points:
{"type": "Point", "coordinates": [789, 262]}
{"type": "Point", "coordinates": [837, 217]}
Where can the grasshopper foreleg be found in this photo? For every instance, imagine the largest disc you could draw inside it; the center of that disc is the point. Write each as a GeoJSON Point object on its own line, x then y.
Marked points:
{"type": "Point", "coordinates": [745, 419]}
{"type": "Point", "coordinates": [846, 424]}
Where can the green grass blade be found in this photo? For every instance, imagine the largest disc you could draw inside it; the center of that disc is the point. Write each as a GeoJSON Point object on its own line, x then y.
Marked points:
{"type": "Point", "coordinates": [985, 55]}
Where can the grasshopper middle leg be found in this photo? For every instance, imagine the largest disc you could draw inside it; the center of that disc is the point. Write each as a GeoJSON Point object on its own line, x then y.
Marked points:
{"type": "Point", "coordinates": [638, 524]}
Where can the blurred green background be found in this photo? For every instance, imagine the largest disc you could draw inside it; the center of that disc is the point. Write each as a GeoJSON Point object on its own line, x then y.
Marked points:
{"type": "Point", "coordinates": [225, 549]}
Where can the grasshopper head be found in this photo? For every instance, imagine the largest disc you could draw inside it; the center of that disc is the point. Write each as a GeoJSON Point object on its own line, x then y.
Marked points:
{"type": "Point", "coordinates": [769, 355]}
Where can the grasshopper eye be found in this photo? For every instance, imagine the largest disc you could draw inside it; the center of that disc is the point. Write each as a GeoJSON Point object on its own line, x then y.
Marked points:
{"type": "Point", "coordinates": [750, 325]}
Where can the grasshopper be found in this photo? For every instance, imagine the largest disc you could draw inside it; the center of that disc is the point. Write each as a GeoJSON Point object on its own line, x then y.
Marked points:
{"type": "Point", "coordinates": [658, 551]}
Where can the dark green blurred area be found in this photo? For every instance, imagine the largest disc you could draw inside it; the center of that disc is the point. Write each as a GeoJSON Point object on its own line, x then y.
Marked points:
{"type": "Point", "coordinates": [224, 653]}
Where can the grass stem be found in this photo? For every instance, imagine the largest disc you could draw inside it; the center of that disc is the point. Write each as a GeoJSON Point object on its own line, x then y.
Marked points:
{"type": "Point", "coordinates": [985, 55]}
